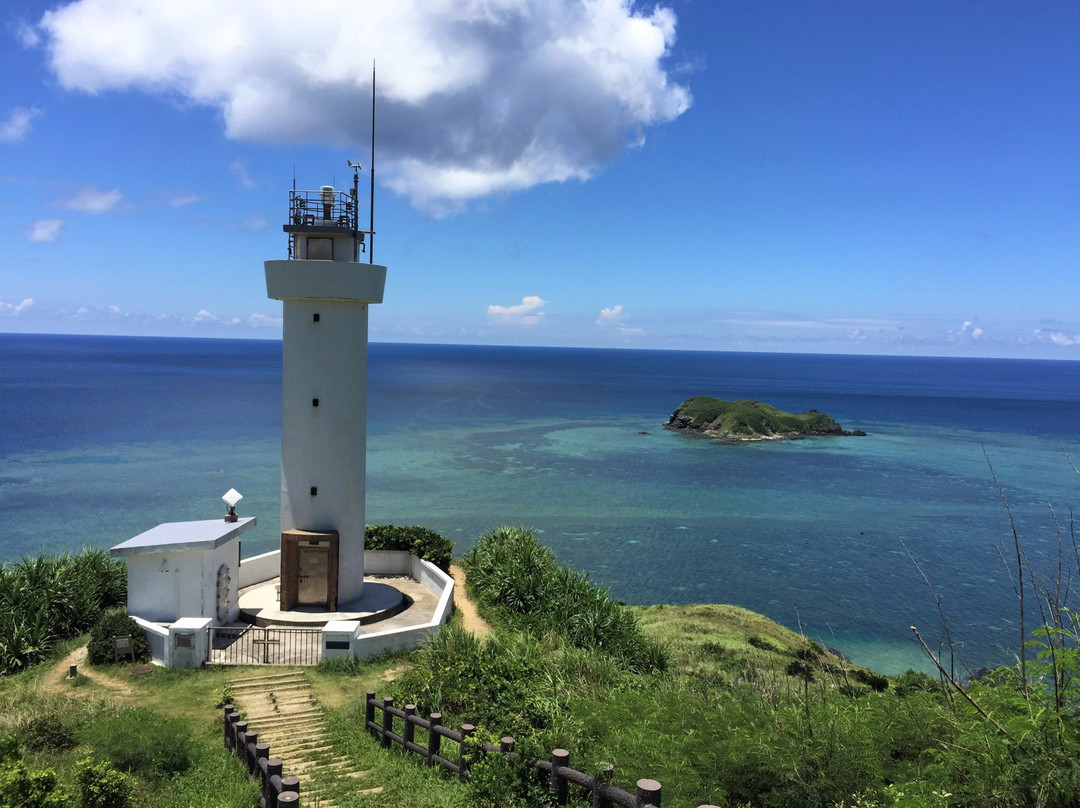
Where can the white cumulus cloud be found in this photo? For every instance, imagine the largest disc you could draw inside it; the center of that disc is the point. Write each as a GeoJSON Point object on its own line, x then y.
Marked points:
{"type": "Point", "coordinates": [475, 96]}
{"type": "Point", "coordinates": [1059, 338]}
{"type": "Point", "coordinates": [612, 316]}
{"type": "Point", "coordinates": [16, 125]}
{"type": "Point", "coordinates": [16, 308]}
{"type": "Point", "coordinates": [529, 312]}
{"type": "Point", "coordinates": [45, 231]}
{"type": "Point", "coordinates": [968, 332]}
{"type": "Point", "coordinates": [616, 318]}
{"type": "Point", "coordinates": [90, 200]}
{"type": "Point", "coordinates": [264, 321]}
{"type": "Point", "coordinates": [202, 316]}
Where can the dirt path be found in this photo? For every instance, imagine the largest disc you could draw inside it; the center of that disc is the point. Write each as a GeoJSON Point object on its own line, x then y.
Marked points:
{"type": "Point", "coordinates": [470, 620]}
{"type": "Point", "coordinates": [53, 681]}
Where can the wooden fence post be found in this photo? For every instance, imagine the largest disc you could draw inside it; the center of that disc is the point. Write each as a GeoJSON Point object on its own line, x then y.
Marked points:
{"type": "Point", "coordinates": [250, 740]}
{"type": "Point", "coordinates": [369, 710]}
{"type": "Point", "coordinates": [273, 769]}
{"type": "Point", "coordinates": [387, 720]}
{"type": "Point", "coordinates": [466, 731]}
{"type": "Point", "coordinates": [239, 728]}
{"type": "Point", "coordinates": [559, 757]}
{"type": "Point", "coordinates": [230, 717]}
{"type": "Point", "coordinates": [409, 729]}
{"type": "Point", "coordinates": [648, 793]}
{"type": "Point", "coordinates": [290, 785]}
{"type": "Point", "coordinates": [434, 738]}
{"type": "Point", "coordinates": [506, 745]}
{"type": "Point", "coordinates": [603, 777]}
{"type": "Point", "coordinates": [288, 799]}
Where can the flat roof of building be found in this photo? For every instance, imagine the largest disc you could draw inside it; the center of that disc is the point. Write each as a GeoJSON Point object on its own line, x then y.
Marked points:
{"type": "Point", "coordinates": [175, 537]}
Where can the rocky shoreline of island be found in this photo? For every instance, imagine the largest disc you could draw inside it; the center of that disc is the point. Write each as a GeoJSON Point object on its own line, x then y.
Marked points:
{"type": "Point", "coordinates": [746, 421]}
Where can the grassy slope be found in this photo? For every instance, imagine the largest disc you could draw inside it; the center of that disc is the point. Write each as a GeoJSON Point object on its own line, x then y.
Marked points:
{"type": "Point", "coordinates": [710, 645]}
{"type": "Point", "coordinates": [749, 418]}
{"type": "Point", "coordinates": [705, 634]}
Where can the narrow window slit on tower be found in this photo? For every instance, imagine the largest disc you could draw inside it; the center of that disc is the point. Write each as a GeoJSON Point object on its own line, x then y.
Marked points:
{"type": "Point", "coordinates": [314, 491]}
{"type": "Point", "coordinates": [315, 317]}
{"type": "Point", "coordinates": [314, 402]}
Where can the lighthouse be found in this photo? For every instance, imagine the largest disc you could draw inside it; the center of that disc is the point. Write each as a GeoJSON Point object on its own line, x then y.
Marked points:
{"type": "Point", "coordinates": [326, 291]}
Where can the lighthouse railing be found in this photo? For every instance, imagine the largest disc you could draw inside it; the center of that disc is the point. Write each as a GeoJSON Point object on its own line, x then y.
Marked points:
{"type": "Point", "coordinates": [323, 208]}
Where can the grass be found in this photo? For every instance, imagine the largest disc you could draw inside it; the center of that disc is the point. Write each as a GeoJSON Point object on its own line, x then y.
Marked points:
{"type": "Point", "coordinates": [54, 719]}
{"type": "Point", "coordinates": [717, 703]}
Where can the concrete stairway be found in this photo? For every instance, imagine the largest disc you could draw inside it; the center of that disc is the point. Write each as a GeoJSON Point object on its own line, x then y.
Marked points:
{"type": "Point", "coordinates": [282, 709]}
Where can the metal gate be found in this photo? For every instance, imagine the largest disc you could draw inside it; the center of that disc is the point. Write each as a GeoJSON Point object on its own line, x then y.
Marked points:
{"type": "Point", "coordinates": [255, 645]}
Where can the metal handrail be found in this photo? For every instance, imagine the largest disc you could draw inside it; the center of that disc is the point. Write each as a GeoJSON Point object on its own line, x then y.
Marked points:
{"type": "Point", "coordinates": [324, 207]}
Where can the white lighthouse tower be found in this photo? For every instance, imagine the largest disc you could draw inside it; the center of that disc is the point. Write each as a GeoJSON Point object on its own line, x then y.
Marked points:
{"type": "Point", "coordinates": [326, 292]}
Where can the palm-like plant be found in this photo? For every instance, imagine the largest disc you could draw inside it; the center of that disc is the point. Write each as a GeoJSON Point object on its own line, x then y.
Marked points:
{"type": "Point", "coordinates": [44, 599]}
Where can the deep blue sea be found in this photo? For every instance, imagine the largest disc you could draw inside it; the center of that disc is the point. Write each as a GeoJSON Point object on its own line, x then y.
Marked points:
{"type": "Point", "coordinates": [104, 437]}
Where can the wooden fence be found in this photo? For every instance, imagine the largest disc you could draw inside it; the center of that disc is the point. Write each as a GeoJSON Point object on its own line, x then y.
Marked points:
{"type": "Point", "coordinates": [603, 794]}
{"type": "Point", "coordinates": [277, 791]}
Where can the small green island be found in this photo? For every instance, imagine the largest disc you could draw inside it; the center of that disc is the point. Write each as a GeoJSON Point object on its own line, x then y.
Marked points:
{"type": "Point", "coordinates": [744, 421]}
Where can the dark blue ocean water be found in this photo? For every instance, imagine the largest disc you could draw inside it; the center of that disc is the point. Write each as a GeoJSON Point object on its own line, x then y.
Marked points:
{"type": "Point", "coordinates": [104, 437]}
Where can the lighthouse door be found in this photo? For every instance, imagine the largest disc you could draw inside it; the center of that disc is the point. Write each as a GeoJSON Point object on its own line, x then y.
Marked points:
{"type": "Point", "coordinates": [314, 576]}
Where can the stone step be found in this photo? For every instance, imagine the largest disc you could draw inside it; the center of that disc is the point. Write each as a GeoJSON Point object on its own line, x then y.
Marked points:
{"type": "Point", "coordinates": [283, 710]}
{"type": "Point", "coordinates": [263, 704]}
{"type": "Point", "coordinates": [297, 696]}
{"type": "Point", "coordinates": [293, 725]}
{"type": "Point", "coordinates": [292, 722]}
{"type": "Point", "coordinates": [294, 734]}
{"type": "Point", "coordinates": [277, 719]}
{"type": "Point", "coordinates": [312, 769]}
{"type": "Point", "coordinates": [293, 753]}
{"type": "Point", "coordinates": [268, 680]}
{"type": "Point", "coordinates": [279, 691]}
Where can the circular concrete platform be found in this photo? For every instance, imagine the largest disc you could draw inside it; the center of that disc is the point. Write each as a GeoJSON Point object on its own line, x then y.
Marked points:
{"type": "Point", "coordinates": [259, 606]}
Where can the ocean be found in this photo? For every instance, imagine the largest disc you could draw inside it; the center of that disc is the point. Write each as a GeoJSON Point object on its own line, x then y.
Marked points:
{"type": "Point", "coordinates": [104, 437]}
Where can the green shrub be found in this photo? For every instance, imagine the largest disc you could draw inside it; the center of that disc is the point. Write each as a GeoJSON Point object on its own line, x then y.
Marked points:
{"type": "Point", "coordinates": [911, 681]}
{"type": "Point", "coordinates": [102, 786]}
{"type": "Point", "coordinates": [496, 782]}
{"type": "Point", "coordinates": [141, 741]}
{"type": "Point", "coordinates": [422, 542]}
{"type": "Point", "coordinates": [115, 623]}
{"type": "Point", "coordinates": [44, 599]}
{"type": "Point", "coordinates": [46, 732]}
{"type": "Point", "coordinates": [21, 787]}
{"type": "Point", "coordinates": [520, 584]}
{"type": "Point", "coordinates": [763, 644]}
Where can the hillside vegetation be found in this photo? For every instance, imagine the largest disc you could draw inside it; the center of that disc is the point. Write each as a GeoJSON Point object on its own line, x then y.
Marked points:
{"type": "Point", "coordinates": [734, 710]}
{"type": "Point", "coordinates": [743, 420]}
{"type": "Point", "coordinates": [720, 705]}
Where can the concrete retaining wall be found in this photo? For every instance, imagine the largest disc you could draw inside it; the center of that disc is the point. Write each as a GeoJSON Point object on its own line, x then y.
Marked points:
{"type": "Point", "coordinates": [260, 568]}
{"type": "Point", "coordinates": [158, 637]}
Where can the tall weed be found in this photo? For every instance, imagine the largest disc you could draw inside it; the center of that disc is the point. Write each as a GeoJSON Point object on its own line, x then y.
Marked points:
{"type": "Point", "coordinates": [518, 583]}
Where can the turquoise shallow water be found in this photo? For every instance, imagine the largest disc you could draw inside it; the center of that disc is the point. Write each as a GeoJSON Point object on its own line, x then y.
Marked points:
{"type": "Point", "coordinates": [101, 438]}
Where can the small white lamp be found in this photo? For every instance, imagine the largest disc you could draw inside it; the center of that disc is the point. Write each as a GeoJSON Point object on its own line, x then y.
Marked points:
{"type": "Point", "coordinates": [231, 497]}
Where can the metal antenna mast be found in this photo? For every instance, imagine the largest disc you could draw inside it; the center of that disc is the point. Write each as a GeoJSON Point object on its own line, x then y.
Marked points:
{"type": "Point", "coordinates": [371, 225]}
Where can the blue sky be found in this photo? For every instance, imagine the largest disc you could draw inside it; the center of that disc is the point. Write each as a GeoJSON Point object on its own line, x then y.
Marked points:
{"type": "Point", "coordinates": [837, 177]}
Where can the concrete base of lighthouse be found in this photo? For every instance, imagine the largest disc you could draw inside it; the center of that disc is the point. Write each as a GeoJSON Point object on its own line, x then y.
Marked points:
{"type": "Point", "coordinates": [384, 597]}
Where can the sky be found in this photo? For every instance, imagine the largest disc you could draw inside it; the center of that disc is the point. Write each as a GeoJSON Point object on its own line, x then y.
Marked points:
{"type": "Point", "coordinates": [838, 176]}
